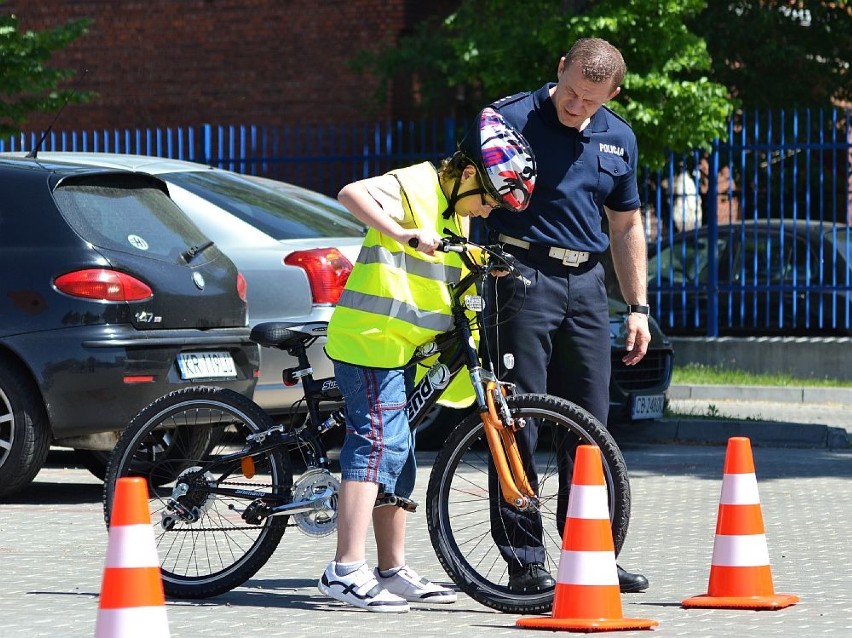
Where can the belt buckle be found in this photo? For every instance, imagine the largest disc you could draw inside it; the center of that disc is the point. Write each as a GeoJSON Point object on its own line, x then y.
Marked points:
{"type": "Point", "coordinates": [571, 258]}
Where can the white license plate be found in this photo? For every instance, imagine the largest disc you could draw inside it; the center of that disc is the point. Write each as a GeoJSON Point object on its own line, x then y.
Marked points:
{"type": "Point", "coordinates": [206, 365]}
{"type": "Point", "coordinates": [647, 406]}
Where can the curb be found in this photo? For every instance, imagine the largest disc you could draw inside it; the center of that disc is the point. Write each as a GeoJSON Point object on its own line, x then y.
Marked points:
{"type": "Point", "coordinates": [718, 431]}
{"type": "Point", "coordinates": [793, 394]}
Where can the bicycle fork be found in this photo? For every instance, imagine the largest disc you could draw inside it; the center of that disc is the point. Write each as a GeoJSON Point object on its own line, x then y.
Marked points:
{"type": "Point", "coordinates": [500, 428]}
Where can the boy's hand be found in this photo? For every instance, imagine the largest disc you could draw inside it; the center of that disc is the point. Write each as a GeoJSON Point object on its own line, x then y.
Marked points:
{"type": "Point", "coordinates": [428, 240]}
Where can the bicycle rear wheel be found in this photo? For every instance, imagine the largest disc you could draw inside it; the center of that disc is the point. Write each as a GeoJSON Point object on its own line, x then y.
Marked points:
{"type": "Point", "coordinates": [458, 503]}
{"type": "Point", "coordinates": [172, 441]}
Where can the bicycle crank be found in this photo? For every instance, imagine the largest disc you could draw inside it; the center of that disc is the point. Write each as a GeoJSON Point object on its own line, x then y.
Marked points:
{"type": "Point", "coordinates": [317, 488]}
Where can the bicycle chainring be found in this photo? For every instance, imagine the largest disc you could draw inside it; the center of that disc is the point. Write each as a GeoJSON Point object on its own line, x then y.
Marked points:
{"type": "Point", "coordinates": [322, 520]}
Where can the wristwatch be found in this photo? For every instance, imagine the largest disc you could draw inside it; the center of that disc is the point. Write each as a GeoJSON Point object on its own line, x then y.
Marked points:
{"type": "Point", "coordinates": [639, 308]}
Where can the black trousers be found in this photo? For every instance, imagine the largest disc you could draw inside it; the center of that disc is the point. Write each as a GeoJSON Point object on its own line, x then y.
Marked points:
{"type": "Point", "coordinates": [559, 335]}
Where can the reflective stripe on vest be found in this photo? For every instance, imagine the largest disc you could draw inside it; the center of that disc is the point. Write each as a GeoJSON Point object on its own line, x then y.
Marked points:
{"type": "Point", "coordinates": [396, 309]}
{"type": "Point", "coordinates": [413, 266]}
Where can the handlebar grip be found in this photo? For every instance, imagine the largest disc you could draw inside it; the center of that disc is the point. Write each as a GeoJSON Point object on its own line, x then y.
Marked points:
{"type": "Point", "coordinates": [414, 242]}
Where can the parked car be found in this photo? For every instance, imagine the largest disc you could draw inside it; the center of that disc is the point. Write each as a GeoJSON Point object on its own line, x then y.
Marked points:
{"type": "Point", "coordinates": [110, 297]}
{"type": "Point", "coordinates": [294, 246]}
{"type": "Point", "coordinates": [775, 277]}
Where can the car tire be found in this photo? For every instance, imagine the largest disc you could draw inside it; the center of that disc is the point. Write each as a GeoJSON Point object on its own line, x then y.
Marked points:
{"type": "Point", "coordinates": [24, 429]}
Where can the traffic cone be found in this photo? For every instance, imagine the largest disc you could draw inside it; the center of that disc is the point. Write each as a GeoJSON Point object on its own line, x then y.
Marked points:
{"type": "Point", "coordinates": [740, 577]}
{"type": "Point", "coordinates": [132, 602]}
{"type": "Point", "coordinates": [587, 595]}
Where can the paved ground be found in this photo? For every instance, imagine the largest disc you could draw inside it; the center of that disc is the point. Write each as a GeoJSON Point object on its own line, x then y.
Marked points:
{"type": "Point", "coordinates": [52, 544]}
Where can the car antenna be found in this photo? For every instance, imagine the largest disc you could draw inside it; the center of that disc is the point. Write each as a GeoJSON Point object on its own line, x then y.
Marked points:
{"type": "Point", "coordinates": [33, 154]}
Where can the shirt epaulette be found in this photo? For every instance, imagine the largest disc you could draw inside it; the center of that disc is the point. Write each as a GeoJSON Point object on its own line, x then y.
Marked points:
{"type": "Point", "coordinates": [617, 116]}
{"type": "Point", "coordinates": [510, 99]}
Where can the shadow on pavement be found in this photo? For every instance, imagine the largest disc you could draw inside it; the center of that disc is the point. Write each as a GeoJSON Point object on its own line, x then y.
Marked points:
{"type": "Point", "coordinates": [708, 462]}
{"type": "Point", "coordinates": [59, 483]}
{"type": "Point", "coordinates": [44, 493]}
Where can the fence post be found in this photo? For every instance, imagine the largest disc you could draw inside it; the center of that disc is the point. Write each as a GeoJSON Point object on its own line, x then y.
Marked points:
{"type": "Point", "coordinates": [712, 240]}
{"type": "Point", "coordinates": [207, 143]}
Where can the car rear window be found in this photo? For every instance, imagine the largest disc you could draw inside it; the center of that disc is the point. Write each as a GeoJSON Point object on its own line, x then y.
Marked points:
{"type": "Point", "coordinates": [280, 210]}
{"type": "Point", "coordinates": [127, 213]}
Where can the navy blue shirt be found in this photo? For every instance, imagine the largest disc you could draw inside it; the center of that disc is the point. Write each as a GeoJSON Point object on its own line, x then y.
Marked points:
{"type": "Point", "coordinates": [578, 173]}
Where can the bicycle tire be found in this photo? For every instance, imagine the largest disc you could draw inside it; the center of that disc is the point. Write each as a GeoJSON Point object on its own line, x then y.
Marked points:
{"type": "Point", "coordinates": [457, 500]}
{"type": "Point", "coordinates": [186, 429]}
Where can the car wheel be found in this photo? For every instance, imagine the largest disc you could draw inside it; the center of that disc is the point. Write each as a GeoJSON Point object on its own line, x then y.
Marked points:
{"type": "Point", "coordinates": [24, 429]}
{"type": "Point", "coordinates": [95, 461]}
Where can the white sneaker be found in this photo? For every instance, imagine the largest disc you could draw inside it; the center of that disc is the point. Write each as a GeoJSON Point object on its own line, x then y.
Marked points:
{"type": "Point", "coordinates": [407, 584]}
{"type": "Point", "coordinates": [360, 589]}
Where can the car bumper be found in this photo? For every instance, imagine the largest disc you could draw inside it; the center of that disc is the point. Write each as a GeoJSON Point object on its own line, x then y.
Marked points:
{"type": "Point", "coordinates": [96, 378]}
{"type": "Point", "coordinates": [638, 391]}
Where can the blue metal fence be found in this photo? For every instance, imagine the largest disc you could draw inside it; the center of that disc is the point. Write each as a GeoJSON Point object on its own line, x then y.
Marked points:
{"type": "Point", "coordinates": [749, 238]}
{"type": "Point", "coordinates": [320, 157]}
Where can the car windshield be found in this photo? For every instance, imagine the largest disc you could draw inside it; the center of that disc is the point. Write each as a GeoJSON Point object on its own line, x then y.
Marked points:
{"type": "Point", "coordinates": [684, 263]}
{"type": "Point", "coordinates": [126, 212]}
{"type": "Point", "coordinates": [280, 210]}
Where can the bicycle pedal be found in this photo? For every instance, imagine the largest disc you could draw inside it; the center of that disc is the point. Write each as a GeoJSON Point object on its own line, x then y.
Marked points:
{"type": "Point", "coordinates": [392, 499]}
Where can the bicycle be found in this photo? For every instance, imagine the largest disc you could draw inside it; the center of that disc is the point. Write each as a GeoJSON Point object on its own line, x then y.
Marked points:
{"type": "Point", "coordinates": [221, 481]}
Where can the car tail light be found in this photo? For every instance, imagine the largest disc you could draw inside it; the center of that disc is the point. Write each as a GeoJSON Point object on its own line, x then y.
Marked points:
{"type": "Point", "coordinates": [327, 268]}
{"type": "Point", "coordinates": [103, 284]}
{"type": "Point", "coordinates": [242, 287]}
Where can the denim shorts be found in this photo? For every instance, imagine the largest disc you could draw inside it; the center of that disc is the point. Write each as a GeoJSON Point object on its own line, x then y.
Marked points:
{"type": "Point", "coordinates": [379, 445]}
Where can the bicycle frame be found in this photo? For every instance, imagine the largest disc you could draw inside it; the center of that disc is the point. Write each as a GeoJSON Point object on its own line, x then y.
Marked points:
{"type": "Point", "coordinates": [456, 349]}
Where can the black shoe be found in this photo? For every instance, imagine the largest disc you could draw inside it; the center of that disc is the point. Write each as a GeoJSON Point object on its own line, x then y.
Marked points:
{"type": "Point", "coordinates": [629, 583]}
{"type": "Point", "coordinates": [533, 577]}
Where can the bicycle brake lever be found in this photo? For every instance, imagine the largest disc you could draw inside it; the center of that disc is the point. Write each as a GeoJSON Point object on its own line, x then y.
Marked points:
{"type": "Point", "coordinates": [509, 261]}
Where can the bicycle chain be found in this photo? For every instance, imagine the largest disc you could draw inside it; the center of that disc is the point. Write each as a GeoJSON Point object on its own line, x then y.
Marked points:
{"type": "Point", "coordinates": [234, 528]}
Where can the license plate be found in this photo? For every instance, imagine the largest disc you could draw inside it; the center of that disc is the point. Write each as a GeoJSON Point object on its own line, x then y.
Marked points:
{"type": "Point", "coordinates": [206, 365]}
{"type": "Point", "coordinates": [647, 406]}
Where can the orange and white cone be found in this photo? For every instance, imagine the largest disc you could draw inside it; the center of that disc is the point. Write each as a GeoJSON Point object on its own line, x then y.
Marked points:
{"type": "Point", "coordinates": [587, 595]}
{"type": "Point", "coordinates": [132, 601]}
{"type": "Point", "coordinates": [740, 576]}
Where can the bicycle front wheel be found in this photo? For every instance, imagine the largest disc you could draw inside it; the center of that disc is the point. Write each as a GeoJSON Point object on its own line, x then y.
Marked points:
{"type": "Point", "coordinates": [475, 540]}
{"type": "Point", "coordinates": [172, 442]}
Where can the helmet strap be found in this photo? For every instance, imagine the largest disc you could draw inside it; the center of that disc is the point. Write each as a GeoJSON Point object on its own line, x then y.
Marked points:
{"type": "Point", "coordinates": [453, 200]}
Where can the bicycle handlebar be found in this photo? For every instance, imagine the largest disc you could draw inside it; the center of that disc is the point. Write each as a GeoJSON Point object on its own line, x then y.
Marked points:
{"type": "Point", "coordinates": [446, 245]}
{"type": "Point", "coordinates": [458, 244]}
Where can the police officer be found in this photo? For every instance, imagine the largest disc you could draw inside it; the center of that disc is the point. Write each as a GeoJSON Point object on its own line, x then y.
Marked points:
{"type": "Point", "coordinates": [558, 330]}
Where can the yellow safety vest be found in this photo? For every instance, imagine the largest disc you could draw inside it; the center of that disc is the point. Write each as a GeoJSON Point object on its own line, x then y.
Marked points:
{"type": "Point", "coordinates": [396, 297]}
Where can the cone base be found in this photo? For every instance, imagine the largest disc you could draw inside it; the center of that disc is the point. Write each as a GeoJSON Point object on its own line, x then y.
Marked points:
{"type": "Point", "coordinates": [777, 601]}
{"type": "Point", "coordinates": [586, 624]}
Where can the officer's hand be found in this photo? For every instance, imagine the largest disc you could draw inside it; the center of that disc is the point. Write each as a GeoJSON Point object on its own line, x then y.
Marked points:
{"type": "Point", "coordinates": [638, 338]}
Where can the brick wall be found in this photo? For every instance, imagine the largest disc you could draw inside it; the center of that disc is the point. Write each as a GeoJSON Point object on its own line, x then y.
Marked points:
{"type": "Point", "coordinates": [180, 62]}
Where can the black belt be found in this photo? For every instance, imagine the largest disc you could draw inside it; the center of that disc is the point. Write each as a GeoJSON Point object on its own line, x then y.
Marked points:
{"type": "Point", "coordinates": [567, 256]}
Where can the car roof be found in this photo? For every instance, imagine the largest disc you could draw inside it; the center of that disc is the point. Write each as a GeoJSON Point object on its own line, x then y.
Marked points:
{"type": "Point", "coordinates": [159, 166]}
{"type": "Point", "coordinates": [136, 163]}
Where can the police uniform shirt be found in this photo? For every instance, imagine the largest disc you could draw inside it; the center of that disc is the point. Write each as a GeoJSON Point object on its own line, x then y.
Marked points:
{"type": "Point", "coordinates": [578, 173]}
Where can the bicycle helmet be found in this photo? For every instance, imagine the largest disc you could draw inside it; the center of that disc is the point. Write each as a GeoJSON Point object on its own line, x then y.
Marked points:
{"type": "Point", "coordinates": [503, 158]}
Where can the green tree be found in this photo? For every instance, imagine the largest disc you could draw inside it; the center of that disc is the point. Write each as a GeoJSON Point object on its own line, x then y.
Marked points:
{"type": "Point", "coordinates": [27, 84]}
{"type": "Point", "coordinates": [777, 53]}
{"type": "Point", "coordinates": [491, 48]}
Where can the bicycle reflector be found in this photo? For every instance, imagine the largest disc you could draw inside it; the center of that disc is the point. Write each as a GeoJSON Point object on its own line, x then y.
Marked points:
{"type": "Point", "coordinates": [474, 303]}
